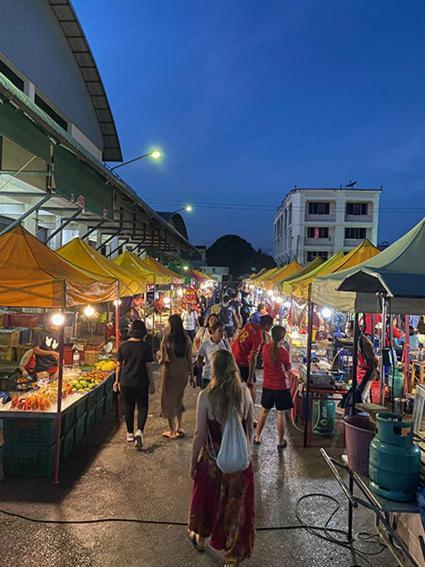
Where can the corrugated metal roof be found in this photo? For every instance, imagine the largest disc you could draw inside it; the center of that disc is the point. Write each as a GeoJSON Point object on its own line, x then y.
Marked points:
{"type": "Point", "coordinates": [79, 46]}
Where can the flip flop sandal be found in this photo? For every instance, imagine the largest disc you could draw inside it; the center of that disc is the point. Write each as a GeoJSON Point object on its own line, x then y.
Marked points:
{"type": "Point", "coordinates": [168, 436]}
{"type": "Point", "coordinates": [194, 539]}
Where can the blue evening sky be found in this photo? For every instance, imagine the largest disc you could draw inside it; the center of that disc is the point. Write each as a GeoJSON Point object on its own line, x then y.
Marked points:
{"type": "Point", "coordinates": [251, 97]}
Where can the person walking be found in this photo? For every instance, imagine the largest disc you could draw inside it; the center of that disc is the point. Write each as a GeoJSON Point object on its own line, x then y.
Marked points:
{"type": "Point", "coordinates": [204, 333]}
{"type": "Point", "coordinates": [228, 317]}
{"type": "Point", "coordinates": [190, 320]}
{"type": "Point", "coordinates": [134, 379]}
{"type": "Point", "coordinates": [276, 385]}
{"type": "Point", "coordinates": [261, 310]}
{"type": "Point", "coordinates": [222, 505]}
{"type": "Point", "coordinates": [247, 345]}
{"type": "Point", "coordinates": [175, 359]}
{"type": "Point", "coordinates": [217, 341]}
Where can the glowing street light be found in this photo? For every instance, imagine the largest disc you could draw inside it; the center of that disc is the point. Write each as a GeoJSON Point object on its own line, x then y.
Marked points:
{"type": "Point", "coordinates": [185, 268]}
{"type": "Point", "coordinates": [153, 154]}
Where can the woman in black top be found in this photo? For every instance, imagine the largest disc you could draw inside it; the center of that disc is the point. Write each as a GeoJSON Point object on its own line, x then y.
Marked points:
{"type": "Point", "coordinates": [134, 379]}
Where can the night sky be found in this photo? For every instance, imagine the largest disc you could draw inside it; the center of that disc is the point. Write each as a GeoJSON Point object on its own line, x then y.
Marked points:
{"type": "Point", "coordinates": [249, 98]}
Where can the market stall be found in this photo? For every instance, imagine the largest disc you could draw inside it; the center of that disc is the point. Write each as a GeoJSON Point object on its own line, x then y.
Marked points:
{"type": "Point", "coordinates": [36, 429]}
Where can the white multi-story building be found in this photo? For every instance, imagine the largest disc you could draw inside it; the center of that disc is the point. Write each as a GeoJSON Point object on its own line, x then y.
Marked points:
{"type": "Point", "coordinates": [314, 222]}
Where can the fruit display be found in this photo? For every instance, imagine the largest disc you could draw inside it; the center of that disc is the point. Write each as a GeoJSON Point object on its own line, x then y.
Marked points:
{"type": "Point", "coordinates": [107, 365]}
{"type": "Point", "coordinates": [89, 380]}
{"type": "Point", "coordinates": [40, 400]}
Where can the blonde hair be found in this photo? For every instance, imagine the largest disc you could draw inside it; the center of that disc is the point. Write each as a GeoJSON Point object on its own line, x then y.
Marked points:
{"type": "Point", "coordinates": [225, 388]}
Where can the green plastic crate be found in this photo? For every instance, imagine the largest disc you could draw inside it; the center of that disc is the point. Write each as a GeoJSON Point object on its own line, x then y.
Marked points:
{"type": "Point", "coordinates": [91, 399]}
{"type": "Point", "coordinates": [100, 412]}
{"type": "Point", "coordinates": [109, 405]}
{"type": "Point", "coordinates": [68, 420]}
{"type": "Point", "coordinates": [67, 444]}
{"type": "Point", "coordinates": [91, 416]}
{"type": "Point", "coordinates": [28, 461]}
{"type": "Point", "coordinates": [81, 408]}
{"type": "Point", "coordinates": [100, 392]}
{"type": "Point", "coordinates": [29, 432]}
{"type": "Point", "coordinates": [80, 429]}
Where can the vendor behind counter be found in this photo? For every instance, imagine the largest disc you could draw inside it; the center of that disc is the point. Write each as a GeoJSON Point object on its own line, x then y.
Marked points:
{"type": "Point", "coordinates": [46, 350]}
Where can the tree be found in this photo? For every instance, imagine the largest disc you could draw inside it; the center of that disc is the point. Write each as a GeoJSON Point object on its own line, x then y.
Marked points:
{"type": "Point", "coordinates": [238, 255]}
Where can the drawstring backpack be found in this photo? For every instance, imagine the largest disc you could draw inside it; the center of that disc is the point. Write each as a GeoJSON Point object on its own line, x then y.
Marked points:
{"type": "Point", "coordinates": [233, 455]}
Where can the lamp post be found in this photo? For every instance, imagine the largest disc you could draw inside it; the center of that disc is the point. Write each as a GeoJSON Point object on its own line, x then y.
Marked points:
{"type": "Point", "coordinates": [187, 208]}
{"type": "Point", "coordinates": [154, 154]}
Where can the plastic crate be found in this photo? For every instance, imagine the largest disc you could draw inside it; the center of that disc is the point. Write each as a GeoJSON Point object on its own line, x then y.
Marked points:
{"type": "Point", "coordinates": [29, 432]}
{"type": "Point", "coordinates": [109, 406]}
{"type": "Point", "coordinates": [91, 417]}
{"type": "Point", "coordinates": [28, 461]}
{"type": "Point", "coordinates": [91, 399]}
{"type": "Point", "coordinates": [68, 420]}
{"type": "Point", "coordinates": [68, 443]}
{"type": "Point", "coordinates": [9, 337]}
{"type": "Point", "coordinates": [80, 429]}
{"type": "Point", "coordinates": [100, 411]}
{"type": "Point", "coordinates": [100, 392]}
{"type": "Point", "coordinates": [7, 353]}
{"type": "Point", "coordinates": [81, 408]}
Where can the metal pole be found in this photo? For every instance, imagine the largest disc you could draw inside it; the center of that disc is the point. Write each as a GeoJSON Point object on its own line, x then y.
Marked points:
{"type": "Point", "coordinates": [59, 406]}
{"type": "Point", "coordinates": [356, 334]}
{"type": "Point", "coordinates": [307, 416]}
{"type": "Point", "coordinates": [93, 229]}
{"type": "Point", "coordinates": [130, 161]}
{"type": "Point", "coordinates": [117, 248]}
{"type": "Point", "coordinates": [18, 221]}
{"type": "Point", "coordinates": [108, 240]}
{"type": "Point", "coordinates": [406, 354]}
{"type": "Point", "coordinates": [117, 344]}
{"type": "Point", "coordinates": [63, 225]}
{"type": "Point", "coordinates": [383, 336]}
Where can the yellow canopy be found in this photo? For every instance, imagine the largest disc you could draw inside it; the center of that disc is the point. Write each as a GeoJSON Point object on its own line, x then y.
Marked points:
{"type": "Point", "coordinates": [364, 251]}
{"type": "Point", "coordinates": [160, 269]}
{"type": "Point", "coordinates": [131, 263]}
{"type": "Point", "coordinates": [32, 275]}
{"type": "Point", "coordinates": [283, 273]}
{"type": "Point", "coordinates": [285, 284]}
{"type": "Point", "coordinates": [156, 275]}
{"type": "Point", "coordinates": [263, 277]}
{"type": "Point", "coordinates": [299, 286]}
{"type": "Point", "coordinates": [87, 258]}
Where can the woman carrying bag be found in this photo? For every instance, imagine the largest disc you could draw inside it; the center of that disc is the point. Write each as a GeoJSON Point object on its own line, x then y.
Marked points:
{"type": "Point", "coordinates": [223, 503]}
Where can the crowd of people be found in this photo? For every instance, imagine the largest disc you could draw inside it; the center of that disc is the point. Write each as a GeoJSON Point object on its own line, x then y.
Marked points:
{"type": "Point", "coordinates": [217, 352]}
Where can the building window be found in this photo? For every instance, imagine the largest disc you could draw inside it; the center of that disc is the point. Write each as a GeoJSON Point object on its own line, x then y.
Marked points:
{"type": "Point", "coordinates": [357, 209]}
{"type": "Point", "coordinates": [312, 254]}
{"type": "Point", "coordinates": [12, 76]}
{"type": "Point", "coordinates": [355, 233]}
{"type": "Point", "coordinates": [49, 111]}
{"type": "Point", "coordinates": [318, 208]}
{"type": "Point", "coordinates": [318, 232]}
{"type": "Point", "coordinates": [290, 214]}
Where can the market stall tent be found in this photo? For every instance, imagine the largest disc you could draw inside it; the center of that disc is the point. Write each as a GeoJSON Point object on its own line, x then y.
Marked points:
{"type": "Point", "coordinates": [324, 290]}
{"type": "Point", "coordinates": [32, 275]}
{"type": "Point", "coordinates": [156, 275]}
{"type": "Point", "coordinates": [398, 272]}
{"type": "Point", "coordinates": [283, 273]}
{"type": "Point", "coordinates": [263, 277]}
{"type": "Point", "coordinates": [87, 258]}
{"type": "Point", "coordinates": [285, 284]}
{"type": "Point", "coordinates": [131, 263]}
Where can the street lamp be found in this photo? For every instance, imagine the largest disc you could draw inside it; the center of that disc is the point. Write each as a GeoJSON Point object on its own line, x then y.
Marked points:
{"type": "Point", "coordinates": [187, 208]}
{"type": "Point", "coordinates": [154, 154]}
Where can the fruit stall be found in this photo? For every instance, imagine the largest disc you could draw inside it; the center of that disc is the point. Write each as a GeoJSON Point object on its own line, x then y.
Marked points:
{"type": "Point", "coordinates": [29, 420]}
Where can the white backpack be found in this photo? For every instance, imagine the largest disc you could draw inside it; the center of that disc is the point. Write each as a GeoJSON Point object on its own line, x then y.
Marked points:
{"type": "Point", "coordinates": [233, 455]}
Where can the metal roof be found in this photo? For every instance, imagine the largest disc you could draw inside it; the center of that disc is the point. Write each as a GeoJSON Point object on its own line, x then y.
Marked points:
{"type": "Point", "coordinates": [79, 46]}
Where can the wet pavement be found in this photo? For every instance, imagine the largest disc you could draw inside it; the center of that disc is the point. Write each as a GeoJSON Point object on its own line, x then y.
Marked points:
{"type": "Point", "coordinates": [106, 477]}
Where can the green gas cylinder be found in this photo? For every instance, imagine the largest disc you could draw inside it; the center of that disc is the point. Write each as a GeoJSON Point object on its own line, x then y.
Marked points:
{"type": "Point", "coordinates": [398, 384]}
{"type": "Point", "coordinates": [323, 418]}
{"type": "Point", "coordinates": [394, 460]}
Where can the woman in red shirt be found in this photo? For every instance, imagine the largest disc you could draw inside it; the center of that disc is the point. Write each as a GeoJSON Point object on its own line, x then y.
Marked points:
{"type": "Point", "coordinates": [276, 385]}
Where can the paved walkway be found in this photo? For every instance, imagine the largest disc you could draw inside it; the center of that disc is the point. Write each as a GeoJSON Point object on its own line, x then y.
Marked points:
{"type": "Point", "coordinates": [107, 477]}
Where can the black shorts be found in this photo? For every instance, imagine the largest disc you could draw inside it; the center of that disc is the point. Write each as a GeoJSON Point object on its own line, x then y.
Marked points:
{"type": "Point", "coordinates": [281, 399]}
{"type": "Point", "coordinates": [244, 372]}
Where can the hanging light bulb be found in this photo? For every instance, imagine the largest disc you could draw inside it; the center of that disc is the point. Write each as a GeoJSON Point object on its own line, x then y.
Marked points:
{"type": "Point", "coordinates": [326, 313]}
{"type": "Point", "coordinates": [58, 319]}
{"type": "Point", "coordinates": [89, 311]}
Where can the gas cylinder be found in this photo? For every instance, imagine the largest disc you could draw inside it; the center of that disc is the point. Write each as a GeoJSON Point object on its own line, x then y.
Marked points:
{"type": "Point", "coordinates": [394, 460]}
{"type": "Point", "coordinates": [323, 417]}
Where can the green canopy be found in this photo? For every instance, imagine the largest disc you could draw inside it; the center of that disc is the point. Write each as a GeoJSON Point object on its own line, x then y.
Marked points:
{"type": "Point", "coordinates": [398, 271]}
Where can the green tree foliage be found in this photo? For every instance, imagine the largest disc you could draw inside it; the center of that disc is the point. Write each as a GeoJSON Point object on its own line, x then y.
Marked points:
{"type": "Point", "coordinates": [238, 255]}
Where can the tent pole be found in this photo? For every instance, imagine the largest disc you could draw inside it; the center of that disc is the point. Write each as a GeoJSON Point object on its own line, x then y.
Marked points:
{"type": "Point", "coordinates": [406, 354]}
{"type": "Point", "coordinates": [355, 361]}
{"type": "Point", "coordinates": [59, 406]}
{"type": "Point", "coordinates": [383, 336]}
{"type": "Point", "coordinates": [117, 344]}
{"type": "Point", "coordinates": [307, 416]}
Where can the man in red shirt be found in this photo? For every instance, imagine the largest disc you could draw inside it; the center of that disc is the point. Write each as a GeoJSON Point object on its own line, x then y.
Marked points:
{"type": "Point", "coordinates": [247, 345]}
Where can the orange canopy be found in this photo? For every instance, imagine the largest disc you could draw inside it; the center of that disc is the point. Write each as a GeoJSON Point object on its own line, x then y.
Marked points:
{"type": "Point", "coordinates": [133, 262]}
{"type": "Point", "coordinates": [32, 275]}
{"type": "Point", "coordinates": [87, 258]}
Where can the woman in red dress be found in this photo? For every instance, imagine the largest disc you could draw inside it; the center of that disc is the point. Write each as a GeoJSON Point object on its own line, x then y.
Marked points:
{"type": "Point", "coordinates": [223, 505]}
